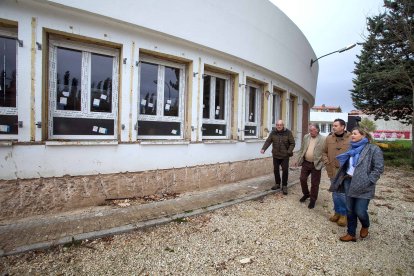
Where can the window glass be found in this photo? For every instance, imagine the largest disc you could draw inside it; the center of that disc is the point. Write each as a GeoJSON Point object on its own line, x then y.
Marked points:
{"type": "Point", "coordinates": [276, 108]}
{"type": "Point", "coordinates": [101, 83]}
{"type": "Point", "coordinates": [68, 77]}
{"type": "Point", "coordinates": [206, 97]}
{"type": "Point", "coordinates": [323, 128]}
{"type": "Point", "coordinates": [83, 94]}
{"type": "Point", "coordinates": [161, 99]}
{"type": "Point", "coordinates": [148, 88]}
{"type": "Point", "coordinates": [220, 98]}
{"type": "Point", "coordinates": [7, 72]}
{"type": "Point", "coordinates": [171, 91]}
{"type": "Point", "coordinates": [252, 105]}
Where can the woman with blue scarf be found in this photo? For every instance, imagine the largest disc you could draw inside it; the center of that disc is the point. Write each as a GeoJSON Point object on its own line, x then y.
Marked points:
{"type": "Point", "coordinates": [361, 167]}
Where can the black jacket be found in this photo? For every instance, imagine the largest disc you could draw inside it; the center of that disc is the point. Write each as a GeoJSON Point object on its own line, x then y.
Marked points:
{"type": "Point", "coordinates": [282, 142]}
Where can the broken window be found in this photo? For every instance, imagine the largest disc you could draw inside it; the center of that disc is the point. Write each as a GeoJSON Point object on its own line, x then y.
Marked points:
{"type": "Point", "coordinates": [8, 92]}
{"type": "Point", "coordinates": [161, 99]}
{"type": "Point", "coordinates": [252, 111]}
{"type": "Point", "coordinates": [216, 103]}
{"type": "Point", "coordinates": [83, 90]}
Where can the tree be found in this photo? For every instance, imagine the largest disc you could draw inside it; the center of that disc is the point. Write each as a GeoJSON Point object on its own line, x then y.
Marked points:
{"type": "Point", "coordinates": [369, 125]}
{"type": "Point", "coordinates": [384, 83]}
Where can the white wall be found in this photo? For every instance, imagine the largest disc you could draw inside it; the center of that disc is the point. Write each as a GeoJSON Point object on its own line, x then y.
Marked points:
{"type": "Point", "coordinates": [256, 40]}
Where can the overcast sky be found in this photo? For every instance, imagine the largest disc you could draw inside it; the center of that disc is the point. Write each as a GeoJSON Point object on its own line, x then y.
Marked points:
{"type": "Point", "coordinates": [330, 25]}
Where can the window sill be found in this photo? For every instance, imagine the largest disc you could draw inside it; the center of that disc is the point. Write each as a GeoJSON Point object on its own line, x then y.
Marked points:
{"type": "Point", "coordinates": [219, 141]}
{"type": "Point", "coordinates": [81, 143]}
{"type": "Point", "coordinates": [254, 140]}
{"type": "Point", "coordinates": [167, 142]}
{"type": "Point", "coordinates": [6, 143]}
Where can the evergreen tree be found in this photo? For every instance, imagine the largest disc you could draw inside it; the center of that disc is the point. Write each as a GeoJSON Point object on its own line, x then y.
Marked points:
{"type": "Point", "coordinates": [384, 83]}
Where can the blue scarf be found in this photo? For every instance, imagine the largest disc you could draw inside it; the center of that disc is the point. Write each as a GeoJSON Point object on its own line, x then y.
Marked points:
{"type": "Point", "coordinates": [354, 151]}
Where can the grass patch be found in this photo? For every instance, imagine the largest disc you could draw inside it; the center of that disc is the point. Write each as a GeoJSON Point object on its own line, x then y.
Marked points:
{"type": "Point", "coordinates": [397, 153]}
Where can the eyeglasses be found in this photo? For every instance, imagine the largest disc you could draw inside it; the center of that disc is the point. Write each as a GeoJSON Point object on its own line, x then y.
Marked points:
{"type": "Point", "coordinates": [279, 124]}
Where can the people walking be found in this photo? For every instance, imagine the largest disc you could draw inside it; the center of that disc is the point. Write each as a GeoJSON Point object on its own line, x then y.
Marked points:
{"type": "Point", "coordinates": [360, 169]}
{"type": "Point", "coordinates": [310, 158]}
{"type": "Point", "coordinates": [336, 143]}
{"type": "Point", "coordinates": [283, 143]}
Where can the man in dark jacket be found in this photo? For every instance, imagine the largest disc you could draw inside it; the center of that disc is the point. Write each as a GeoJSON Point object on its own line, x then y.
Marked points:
{"type": "Point", "coordinates": [283, 144]}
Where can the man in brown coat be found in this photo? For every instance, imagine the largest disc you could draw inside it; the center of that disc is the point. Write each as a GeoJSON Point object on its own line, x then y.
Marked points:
{"type": "Point", "coordinates": [336, 143]}
{"type": "Point", "coordinates": [283, 143]}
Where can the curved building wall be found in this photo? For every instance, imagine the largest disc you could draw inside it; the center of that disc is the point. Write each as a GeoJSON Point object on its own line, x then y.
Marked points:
{"type": "Point", "coordinates": [234, 67]}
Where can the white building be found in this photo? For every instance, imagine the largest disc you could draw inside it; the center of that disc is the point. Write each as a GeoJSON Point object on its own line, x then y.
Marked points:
{"type": "Point", "coordinates": [325, 120]}
{"type": "Point", "coordinates": [178, 94]}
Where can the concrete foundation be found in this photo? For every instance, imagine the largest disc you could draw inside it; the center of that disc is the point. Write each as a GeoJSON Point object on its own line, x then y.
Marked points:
{"type": "Point", "coordinates": [27, 197]}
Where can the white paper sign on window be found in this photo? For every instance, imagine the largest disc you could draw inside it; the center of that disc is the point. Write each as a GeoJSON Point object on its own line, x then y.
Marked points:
{"type": "Point", "coordinates": [168, 101]}
{"type": "Point", "coordinates": [95, 129]}
{"type": "Point", "coordinates": [96, 102]}
{"type": "Point", "coordinates": [174, 131]}
{"type": "Point", "coordinates": [217, 130]}
{"type": "Point", "coordinates": [66, 93]}
{"type": "Point", "coordinates": [103, 130]}
{"type": "Point", "coordinates": [4, 128]}
{"type": "Point", "coordinates": [220, 132]}
{"type": "Point", "coordinates": [143, 102]}
{"type": "Point", "coordinates": [63, 100]}
{"type": "Point", "coordinates": [104, 97]}
{"type": "Point", "coordinates": [167, 107]}
{"type": "Point", "coordinates": [217, 112]}
{"type": "Point", "coordinates": [150, 105]}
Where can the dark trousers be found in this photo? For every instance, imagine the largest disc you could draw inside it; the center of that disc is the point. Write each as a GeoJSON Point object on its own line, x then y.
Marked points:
{"type": "Point", "coordinates": [308, 168]}
{"type": "Point", "coordinates": [285, 170]}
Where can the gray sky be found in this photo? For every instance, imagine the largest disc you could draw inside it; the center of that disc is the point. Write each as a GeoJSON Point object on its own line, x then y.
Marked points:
{"type": "Point", "coordinates": [330, 25]}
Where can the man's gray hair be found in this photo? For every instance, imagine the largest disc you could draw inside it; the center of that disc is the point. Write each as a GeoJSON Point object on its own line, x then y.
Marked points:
{"type": "Point", "coordinates": [315, 126]}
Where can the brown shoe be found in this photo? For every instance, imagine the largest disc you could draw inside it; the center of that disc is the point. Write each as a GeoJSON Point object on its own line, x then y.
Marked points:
{"type": "Point", "coordinates": [347, 238]}
{"type": "Point", "coordinates": [334, 218]}
{"type": "Point", "coordinates": [342, 221]}
{"type": "Point", "coordinates": [363, 233]}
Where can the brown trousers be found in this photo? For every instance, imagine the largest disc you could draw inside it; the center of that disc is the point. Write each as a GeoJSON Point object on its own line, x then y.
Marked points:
{"type": "Point", "coordinates": [309, 168]}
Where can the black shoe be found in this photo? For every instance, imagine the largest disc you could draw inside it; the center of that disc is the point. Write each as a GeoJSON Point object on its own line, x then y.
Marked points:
{"type": "Point", "coordinates": [284, 189]}
{"type": "Point", "coordinates": [276, 187]}
{"type": "Point", "coordinates": [304, 198]}
{"type": "Point", "coordinates": [311, 204]}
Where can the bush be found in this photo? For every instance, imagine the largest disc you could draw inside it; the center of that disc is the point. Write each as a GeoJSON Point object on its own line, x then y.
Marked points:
{"type": "Point", "coordinates": [397, 153]}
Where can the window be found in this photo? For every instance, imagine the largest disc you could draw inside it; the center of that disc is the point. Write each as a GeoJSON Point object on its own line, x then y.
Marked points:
{"type": "Point", "coordinates": [8, 92]}
{"type": "Point", "coordinates": [292, 113]}
{"type": "Point", "coordinates": [276, 107]}
{"type": "Point", "coordinates": [329, 128]}
{"type": "Point", "coordinates": [83, 91]}
{"type": "Point", "coordinates": [252, 117]}
{"type": "Point", "coordinates": [323, 128]}
{"type": "Point", "coordinates": [161, 99]}
{"type": "Point", "coordinates": [216, 105]}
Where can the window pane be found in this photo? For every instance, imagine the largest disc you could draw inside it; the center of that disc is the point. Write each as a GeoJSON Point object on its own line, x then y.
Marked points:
{"type": "Point", "coordinates": [148, 88]}
{"type": "Point", "coordinates": [171, 91]}
{"type": "Point", "coordinates": [213, 130]}
{"type": "Point", "coordinates": [8, 124]}
{"type": "Point", "coordinates": [252, 105]}
{"type": "Point", "coordinates": [250, 131]}
{"type": "Point", "coordinates": [68, 70]}
{"type": "Point", "coordinates": [101, 83]}
{"type": "Point", "coordinates": [220, 98]}
{"type": "Point", "coordinates": [206, 97]}
{"type": "Point", "coordinates": [82, 126]}
{"type": "Point", "coordinates": [8, 72]}
{"type": "Point", "coordinates": [150, 128]}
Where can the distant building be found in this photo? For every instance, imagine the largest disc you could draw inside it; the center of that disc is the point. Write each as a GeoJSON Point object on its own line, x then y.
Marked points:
{"type": "Point", "coordinates": [386, 130]}
{"type": "Point", "coordinates": [325, 119]}
{"type": "Point", "coordinates": [325, 108]}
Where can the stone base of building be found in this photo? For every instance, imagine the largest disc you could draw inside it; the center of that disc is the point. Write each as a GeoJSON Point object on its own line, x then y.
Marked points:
{"type": "Point", "coordinates": [27, 197]}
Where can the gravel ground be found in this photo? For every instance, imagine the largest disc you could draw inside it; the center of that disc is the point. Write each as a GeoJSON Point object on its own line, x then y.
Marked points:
{"type": "Point", "coordinates": [276, 235]}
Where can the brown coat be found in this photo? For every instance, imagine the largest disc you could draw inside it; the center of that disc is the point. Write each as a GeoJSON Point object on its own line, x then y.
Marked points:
{"type": "Point", "coordinates": [332, 148]}
{"type": "Point", "coordinates": [282, 143]}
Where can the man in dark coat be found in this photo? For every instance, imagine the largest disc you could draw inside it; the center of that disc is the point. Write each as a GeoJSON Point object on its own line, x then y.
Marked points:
{"type": "Point", "coordinates": [283, 144]}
